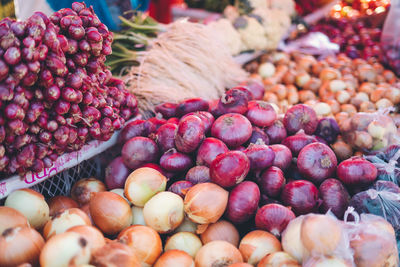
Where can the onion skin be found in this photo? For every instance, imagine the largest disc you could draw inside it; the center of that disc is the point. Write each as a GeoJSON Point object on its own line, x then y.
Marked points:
{"type": "Point", "coordinates": [240, 264]}
{"type": "Point", "coordinates": [174, 161]}
{"type": "Point", "coordinates": [296, 142]}
{"type": "Point", "coordinates": [356, 171]}
{"type": "Point", "coordinates": [317, 162]}
{"type": "Point", "coordinates": [138, 151]}
{"type": "Point", "coordinates": [257, 134]}
{"type": "Point", "coordinates": [327, 261]}
{"type": "Point", "coordinates": [94, 237]}
{"type": "Point", "coordinates": [217, 253]}
{"type": "Point", "coordinates": [221, 230]}
{"type": "Point", "coordinates": [256, 244]}
{"type": "Point", "coordinates": [167, 110]}
{"type": "Point", "coordinates": [20, 244]}
{"type": "Point", "coordinates": [300, 117]}
{"type": "Point", "coordinates": [59, 203]}
{"type": "Point", "coordinates": [10, 218]}
{"type": "Point", "coordinates": [205, 203]}
{"type": "Point", "coordinates": [232, 128]}
{"type": "Point", "coordinates": [243, 202]}
{"type": "Point", "coordinates": [276, 132]}
{"type": "Point", "coordinates": [230, 168]}
{"type": "Point", "coordinates": [82, 190]}
{"type": "Point", "coordinates": [180, 188]}
{"type": "Point", "coordinates": [115, 254]}
{"type": "Point", "coordinates": [291, 240]}
{"type": "Point", "coordinates": [260, 113]}
{"type": "Point", "coordinates": [283, 156]}
{"type": "Point", "coordinates": [272, 181]}
{"type": "Point", "coordinates": [184, 241]}
{"type": "Point", "coordinates": [143, 241]}
{"type": "Point", "coordinates": [273, 218]}
{"type": "Point", "coordinates": [206, 117]}
{"type": "Point", "coordinates": [110, 212]}
{"type": "Point", "coordinates": [116, 174]}
{"type": "Point", "coordinates": [191, 105]}
{"type": "Point", "coordinates": [165, 136]}
{"type": "Point", "coordinates": [209, 150]}
{"type": "Point", "coordinates": [334, 197]}
{"type": "Point", "coordinates": [260, 156]}
{"type": "Point", "coordinates": [301, 195]}
{"type": "Point", "coordinates": [277, 259]}
{"type": "Point", "coordinates": [172, 258]}
{"type": "Point", "coordinates": [198, 174]}
{"type": "Point", "coordinates": [190, 134]}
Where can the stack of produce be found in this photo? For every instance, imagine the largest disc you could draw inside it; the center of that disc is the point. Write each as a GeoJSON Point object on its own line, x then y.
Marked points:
{"type": "Point", "coordinates": [56, 93]}
{"type": "Point", "coordinates": [353, 9]}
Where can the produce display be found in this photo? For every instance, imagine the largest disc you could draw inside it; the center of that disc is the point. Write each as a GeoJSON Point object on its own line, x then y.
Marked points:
{"type": "Point", "coordinates": [357, 8]}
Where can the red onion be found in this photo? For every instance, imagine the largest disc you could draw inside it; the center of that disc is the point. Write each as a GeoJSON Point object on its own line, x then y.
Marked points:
{"type": "Point", "coordinates": [209, 150]}
{"type": "Point", "coordinates": [157, 121]}
{"type": "Point", "coordinates": [272, 181]}
{"type": "Point", "coordinates": [260, 156]}
{"type": "Point", "coordinates": [301, 195]}
{"type": "Point", "coordinates": [206, 117]}
{"type": "Point", "coordinates": [243, 202]}
{"type": "Point", "coordinates": [198, 174]}
{"type": "Point", "coordinates": [234, 100]}
{"type": "Point", "coordinates": [328, 129]}
{"type": "Point", "coordinates": [334, 197]}
{"type": "Point", "coordinates": [260, 113]}
{"type": "Point", "coordinates": [168, 110]}
{"type": "Point", "coordinates": [180, 188]}
{"type": "Point", "coordinates": [296, 142]}
{"type": "Point", "coordinates": [229, 169]}
{"type": "Point", "coordinates": [190, 134]}
{"type": "Point", "coordinates": [283, 156]}
{"type": "Point", "coordinates": [138, 151]}
{"type": "Point", "coordinates": [356, 171]}
{"type": "Point", "coordinates": [233, 129]}
{"type": "Point", "coordinates": [173, 120]}
{"type": "Point", "coordinates": [256, 88]}
{"type": "Point", "coordinates": [257, 134]}
{"type": "Point", "coordinates": [316, 162]}
{"type": "Point", "coordinates": [174, 161]}
{"type": "Point", "coordinates": [191, 105]}
{"type": "Point", "coordinates": [300, 117]}
{"type": "Point", "coordinates": [276, 132]}
{"type": "Point", "coordinates": [116, 174]}
{"type": "Point", "coordinates": [165, 136]}
{"type": "Point", "coordinates": [273, 218]}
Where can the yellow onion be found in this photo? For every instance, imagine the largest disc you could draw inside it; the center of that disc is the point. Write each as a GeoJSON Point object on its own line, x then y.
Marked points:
{"type": "Point", "coordinates": [185, 241]}
{"type": "Point", "coordinates": [256, 244]}
{"type": "Point", "coordinates": [187, 226]}
{"type": "Point", "coordinates": [174, 258]}
{"type": "Point", "coordinates": [327, 261]}
{"type": "Point", "coordinates": [65, 220]}
{"type": "Point", "coordinates": [20, 244]}
{"type": "Point", "coordinates": [278, 259]}
{"type": "Point", "coordinates": [64, 250]}
{"type": "Point", "coordinates": [120, 191]}
{"type": "Point", "coordinates": [10, 217]}
{"type": "Point", "coordinates": [115, 254]}
{"type": "Point", "coordinates": [143, 241]}
{"type": "Point", "coordinates": [59, 203]}
{"type": "Point", "coordinates": [217, 253]}
{"type": "Point", "coordinates": [83, 190]}
{"type": "Point", "coordinates": [94, 237]}
{"type": "Point", "coordinates": [240, 264]}
{"type": "Point", "coordinates": [221, 230]}
{"type": "Point", "coordinates": [142, 184]}
{"type": "Point", "coordinates": [31, 204]}
{"type": "Point", "coordinates": [164, 212]}
{"type": "Point", "coordinates": [205, 203]}
{"type": "Point", "coordinates": [137, 216]}
{"type": "Point", "coordinates": [110, 212]}
{"type": "Point", "coordinates": [291, 241]}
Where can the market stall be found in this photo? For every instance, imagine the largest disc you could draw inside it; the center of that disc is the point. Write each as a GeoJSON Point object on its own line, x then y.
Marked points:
{"type": "Point", "coordinates": [256, 133]}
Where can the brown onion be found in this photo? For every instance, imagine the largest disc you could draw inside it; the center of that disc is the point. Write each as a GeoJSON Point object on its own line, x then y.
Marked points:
{"type": "Point", "coordinates": [273, 218]}
{"type": "Point", "coordinates": [164, 212]}
{"type": "Point", "coordinates": [174, 258]}
{"type": "Point", "coordinates": [31, 204]}
{"type": "Point", "coordinates": [278, 259]}
{"type": "Point", "coordinates": [115, 254]}
{"type": "Point", "coordinates": [256, 244]}
{"type": "Point", "coordinates": [217, 253]}
{"type": "Point", "coordinates": [142, 184]}
{"type": "Point", "coordinates": [184, 241]}
{"type": "Point", "coordinates": [110, 212]}
{"type": "Point", "coordinates": [82, 190]}
{"type": "Point", "coordinates": [20, 244]}
{"type": "Point", "coordinates": [10, 217]}
{"type": "Point", "coordinates": [94, 237]}
{"type": "Point", "coordinates": [59, 203]}
{"type": "Point", "coordinates": [65, 249]}
{"type": "Point", "coordinates": [143, 241]}
{"type": "Point", "coordinates": [221, 230]}
{"type": "Point", "coordinates": [205, 203]}
{"type": "Point", "coordinates": [65, 220]}
{"type": "Point", "coordinates": [86, 209]}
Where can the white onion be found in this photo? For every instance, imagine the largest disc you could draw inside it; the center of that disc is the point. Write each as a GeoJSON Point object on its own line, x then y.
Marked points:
{"type": "Point", "coordinates": [187, 226]}
{"type": "Point", "coordinates": [291, 241]}
{"type": "Point", "coordinates": [185, 241]}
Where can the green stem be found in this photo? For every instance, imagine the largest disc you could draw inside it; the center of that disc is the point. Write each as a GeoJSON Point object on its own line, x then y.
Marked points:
{"type": "Point", "coordinates": [156, 28]}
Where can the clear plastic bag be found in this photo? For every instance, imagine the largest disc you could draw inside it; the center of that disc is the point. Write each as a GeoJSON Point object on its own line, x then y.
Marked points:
{"type": "Point", "coordinates": [388, 164]}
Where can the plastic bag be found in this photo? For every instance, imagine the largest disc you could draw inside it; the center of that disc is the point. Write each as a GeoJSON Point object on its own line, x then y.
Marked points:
{"type": "Point", "coordinates": [370, 132]}
{"type": "Point", "coordinates": [390, 39]}
{"type": "Point", "coordinates": [388, 164]}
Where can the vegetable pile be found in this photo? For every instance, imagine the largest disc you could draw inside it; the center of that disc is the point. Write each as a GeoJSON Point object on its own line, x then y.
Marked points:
{"type": "Point", "coordinates": [56, 93]}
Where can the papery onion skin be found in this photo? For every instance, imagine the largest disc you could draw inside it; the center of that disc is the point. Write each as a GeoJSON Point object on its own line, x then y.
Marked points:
{"type": "Point", "coordinates": [301, 195]}
{"type": "Point", "coordinates": [142, 184]}
{"type": "Point", "coordinates": [221, 230]}
{"type": "Point", "coordinates": [232, 128]}
{"type": "Point", "coordinates": [180, 188]}
{"type": "Point", "coordinates": [20, 244]}
{"type": "Point", "coordinates": [260, 113]}
{"type": "Point", "coordinates": [209, 149]}
{"type": "Point", "coordinates": [94, 237]}
{"type": "Point", "coordinates": [299, 117]}
{"type": "Point", "coordinates": [260, 155]}
{"type": "Point", "coordinates": [184, 241]}
{"type": "Point", "coordinates": [164, 212]}
{"type": "Point", "coordinates": [172, 258]}
{"type": "Point", "coordinates": [217, 253]}
{"type": "Point", "coordinates": [143, 241]}
{"type": "Point", "coordinates": [334, 197]}
{"type": "Point", "coordinates": [356, 171]}
{"type": "Point", "coordinates": [277, 259]}
{"type": "Point", "coordinates": [59, 203]}
{"type": "Point", "coordinates": [190, 134]}
{"type": "Point", "coordinates": [115, 254]}
{"type": "Point", "coordinates": [206, 117]}
{"type": "Point", "coordinates": [198, 174]}
{"type": "Point", "coordinates": [31, 204]}
{"type": "Point", "coordinates": [291, 240]}
{"type": "Point", "coordinates": [243, 202]}
{"type": "Point", "coordinates": [205, 203]}
{"type": "Point", "coordinates": [276, 132]}
{"type": "Point", "coordinates": [10, 218]}
{"type": "Point", "coordinates": [258, 134]}
{"type": "Point", "coordinates": [110, 212]}
{"type": "Point", "coordinates": [256, 244]}
{"type": "Point", "coordinates": [273, 218]}
{"type": "Point", "coordinates": [82, 190]}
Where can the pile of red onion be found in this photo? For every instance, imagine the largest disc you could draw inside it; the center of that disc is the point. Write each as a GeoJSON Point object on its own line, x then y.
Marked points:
{"type": "Point", "coordinates": [56, 94]}
{"type": "Point", "coordinates": [274, 168]}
